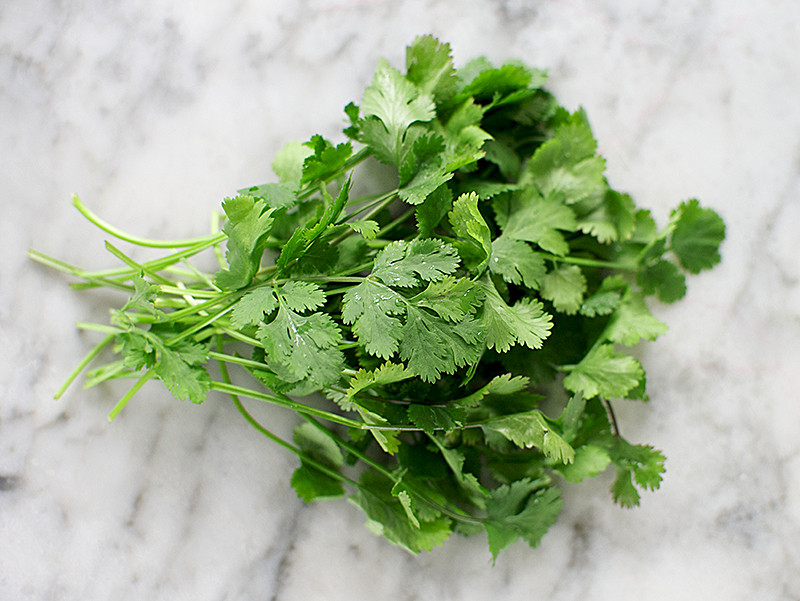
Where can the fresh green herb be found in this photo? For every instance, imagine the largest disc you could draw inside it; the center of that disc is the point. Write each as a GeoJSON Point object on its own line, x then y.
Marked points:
{"type": "Point", "coordinates": [469, 326]}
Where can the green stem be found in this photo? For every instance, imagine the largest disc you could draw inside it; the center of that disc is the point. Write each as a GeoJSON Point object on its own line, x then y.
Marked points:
{"type": "Point", "coordinates": [130, 394]}
{"type": "Point", "coordinates": [588, 262]}
{"type": "Point", "coordinates": [288, 404]}
{"type": "Point", "coordinates": [82, 365]}
{"type": "Point", "coordinates": [117, 233]}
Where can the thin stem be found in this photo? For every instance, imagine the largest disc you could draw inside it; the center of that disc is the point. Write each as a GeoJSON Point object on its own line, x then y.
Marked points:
{"type": "Point", "coordinates": [117, 233]}
{"type": "Point", "coordinates": [288, 404]}
{"type": "Point", "coordinates": [588, 262]}
{"type": "Point", "coordinates": [82, 365]}
{"type": "Point", "coordinates": [612, 418]}
{"type": "Point", "coordinates": [130, 394]}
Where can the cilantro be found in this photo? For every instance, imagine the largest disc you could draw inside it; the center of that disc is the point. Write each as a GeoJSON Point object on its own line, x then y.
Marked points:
{"type": "Point", "coordinates": [416, 329]}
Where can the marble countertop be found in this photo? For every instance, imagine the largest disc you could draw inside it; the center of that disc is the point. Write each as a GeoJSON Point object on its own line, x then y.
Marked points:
{"type": "Point", "coordinates": [152, 109]}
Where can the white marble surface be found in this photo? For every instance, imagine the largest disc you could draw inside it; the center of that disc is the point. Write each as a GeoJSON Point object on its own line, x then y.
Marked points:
{"type": "Point", "coordinates": [152, 109]}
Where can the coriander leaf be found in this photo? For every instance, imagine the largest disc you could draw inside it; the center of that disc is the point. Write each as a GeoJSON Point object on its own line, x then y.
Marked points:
{"type": "Point", "coordinates": [633, 321]}
{"type": "Point", "coordinates": [502, 385]}
{"type": "Point", "coordinates": [431, 212]}
{"type": "Point", "coordinates": [388, 373]}
{"type": "Point", "coordinates": [646, 463]}
{"type": "Point", "coordinates": [302, 296]}
{"type": "Point", "coordinates": [604, 372]}
{"type": "Point", "coordinates": [431, 419]}
{"type": "Point", "coordinates": [143, 297]}
{"type": "Point", "coordinates": [405, 263]}
{"type": "Point", "coordinates": [697, 236]}
{"type": "Point", "coordinates": [602, 302]}
{"type": "Point", "coordinates": [247, 226]}
{"type": "Point", "coordinates": [523, 509]}
{"type": "Point", "coordinates": [367, 228]}
{"type": "Point", "coordinates": [588, 462]}
{"type": "Point", "coordinates": [451, 299]}
{"type": "Point", "coordinates": [623, 490]}
{"type": "Point", "coordinates": [276, 196]}
{"type": "Point", "coordinates": [288, 163]}
{"type": "Point", "coordinates": [528, 216]}
{"type": "Point", "coordinates": [387, 517]}
{"type": "Point", "coordinates": [306, 346]}
{"type": "Point", "coordinates": [664, 280]}
{"type": "Point", "coordinates": [530, 429]}
{"type": "Point", "coordinates": [397, 103]}
{"type": "Point", "coordinates": [432, 346]}
{"type": "Point", "coordinates": [373, 310]}
{"type": "Point", "coordinates": [565, 167]}
{"type": "Point", "coordinates": [430, 67]}
{"type": "Point", "coordinates": [612, 219]}
{"type": "Point", "coordinates": [253, 306]}
{"type": "Point", "coordinates": [325, 161]}
{"type": "Point", "coordinates": [524, 323]}
{"type": "Point", "coordinates": [310, 482]}
{"type": "Point", "coordinates": [177, 370]}
{"type": "Point", "coordinates": [468, 482]}
{"type": "Point", "coordinates": [469, 225]}
{"type": "Point", "coordinates": [516, 263]}
{"type": "Point", "coordinates": [426, 181]}
{"type": "Point", "coordinates": [564, 287]}
{"type": "Point", "coordinates": [302, 238]}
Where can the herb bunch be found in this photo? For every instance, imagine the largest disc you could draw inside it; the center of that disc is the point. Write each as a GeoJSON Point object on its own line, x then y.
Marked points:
{"type": "Point", "coordinates": [451, 344]}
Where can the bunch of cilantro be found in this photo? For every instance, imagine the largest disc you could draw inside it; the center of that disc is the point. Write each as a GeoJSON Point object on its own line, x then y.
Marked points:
{"type": "Point", "coordinates": [452, 343]}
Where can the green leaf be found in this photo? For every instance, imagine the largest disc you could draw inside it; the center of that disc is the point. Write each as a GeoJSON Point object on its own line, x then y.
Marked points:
{"type": "Point", "coordinates": [431, 212]}
{"type": "Point", "coordinates": [178, 370]}
{"type": "Point", "coordinates": [387, 373]}
{"type": "Point", "coordinates": [302, 296]}
{"type": "Point", "coordinates": [248, 225]}
{"type": "Point", "coordinates": [451, 299]}
{"type": "Point", "coordinates": [697, 236]}
{"type": "Point", "coordinates": [397, 103]}
{"type": "Point", "coordinates": [469, 225]}
{"type": "Point", "coordinates": [516, 263]}
{"type": "Point", "coordinates": [565, 167]}
{"type": "Point", "coordinates": [431, 418]}
{"type": "Point", "coordinates": [253, 306]}
{"type": "Point", "coordinates": [623, 490]}
{"type": "Point", "coordinates": [604, 372]}
{"type": "Point", "coordinates": [404, 264]}
{"type": "Point", "coordinates": [633, 321]}
{"type": "Point", "coordinates": [530, 429]}
{"type": "Point", "coordinates": [468, 482]}
{"type": "Point", "coordinates": [325, 161]}
{"type": "Point", "coordinates": [306, 346]}
{"type": "Point", "coordinates": [429, 66]}
{"type": "Point", "coordinates": [387, 517]}
{"type": "Point", "coordinates": [611, 220]}
{"type": "Point", "coordinates": [374, 310]}
{"type": "Point", "coordinates": [432, 346]}
{"type": "Point", "coordinates": [588, 462]}
{"type": "Point", "coordinates": [367, 228]}
{"type": "Point", "coordinates": [664, 280]}
{"type": "Point", "coordinates": [502, 385]}
{"type": "Point", "coordinates": [426, 181]}
{"type": "Point", "coordinates": [564, 287]}
{"type": "Point", "coordinates": [310, 482]}
{"type": "Point", "coordinates": [524, 323]}
{"type": "Point", "coordinates": [288, 163]}
{"type": "Point", "coordinates": [523, 509]}
{"type": "Point", "coordinates": [527, 216]}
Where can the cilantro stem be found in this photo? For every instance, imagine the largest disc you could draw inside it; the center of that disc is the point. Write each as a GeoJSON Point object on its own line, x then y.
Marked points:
{"type": "Point", "coordinates": [287, 403]}
{"type": "Point", "coordinates": [130, 394]}
{"type": "Point", "coordinates": [82, 365]}
{"type": "Point", "coordinates": [147, 242]}
{"type": "Point", "coordinates": [261, 429]}
{"type": "Point", "coordinates": [585, 262]}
